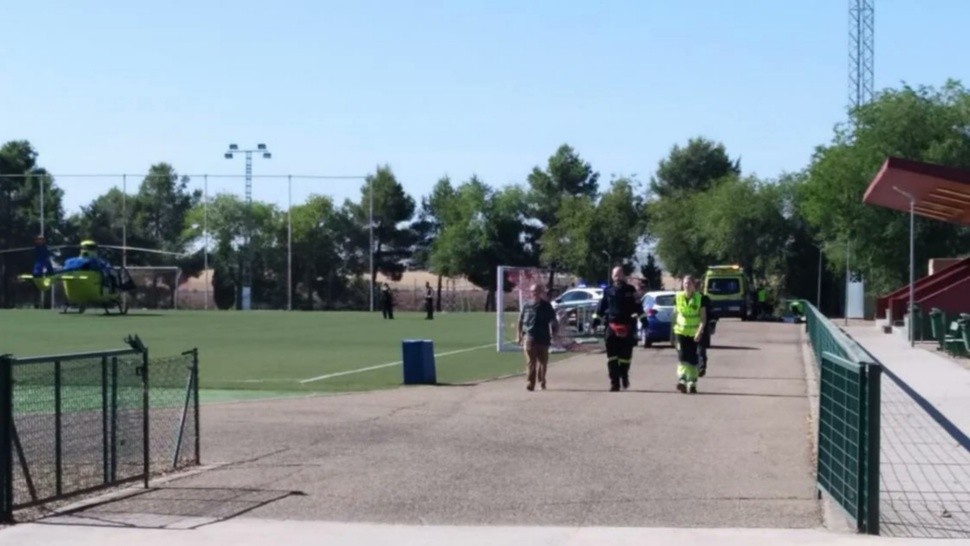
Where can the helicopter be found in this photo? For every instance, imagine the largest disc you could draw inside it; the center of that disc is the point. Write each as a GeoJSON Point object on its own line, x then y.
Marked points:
{"type": "Point", "coordinates": [88, 280]}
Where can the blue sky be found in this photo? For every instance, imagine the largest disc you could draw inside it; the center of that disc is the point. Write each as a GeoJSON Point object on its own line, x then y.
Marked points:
{"type": "Point", "coordinates": [437, 88]}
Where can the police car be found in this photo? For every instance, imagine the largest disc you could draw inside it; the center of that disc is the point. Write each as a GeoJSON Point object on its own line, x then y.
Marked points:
{"type": "Point", "coordinates": [577, 297]}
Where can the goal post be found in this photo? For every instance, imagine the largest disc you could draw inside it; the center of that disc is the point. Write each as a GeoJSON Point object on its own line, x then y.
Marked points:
{"type": "Point", "coordinates": [575, 332]}
{"type": "Point", "coordinates": [156, 287]}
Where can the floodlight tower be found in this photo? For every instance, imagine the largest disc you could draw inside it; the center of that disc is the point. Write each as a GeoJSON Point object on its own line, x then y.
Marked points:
{"type": "Point", "coordinates": [247, 272]}
{"type": "Point", "coordinates": [861, 51]}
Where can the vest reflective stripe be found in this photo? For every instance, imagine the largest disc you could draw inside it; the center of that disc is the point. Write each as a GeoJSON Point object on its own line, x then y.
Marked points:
{"type": "Point", "coordinates": [688, 314]}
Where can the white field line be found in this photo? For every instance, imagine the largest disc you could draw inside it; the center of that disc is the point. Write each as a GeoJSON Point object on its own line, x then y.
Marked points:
{"type": "Point", "coordinates": [389, 364]}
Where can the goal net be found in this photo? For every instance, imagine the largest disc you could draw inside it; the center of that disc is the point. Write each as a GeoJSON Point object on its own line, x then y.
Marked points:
{"type": "Point", "coordinates": [155, 287]}
{"type": "Point", "coordinates": [575, 321]}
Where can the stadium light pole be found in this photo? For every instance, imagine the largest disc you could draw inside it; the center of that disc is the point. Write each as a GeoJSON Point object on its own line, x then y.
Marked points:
{"type": "Point", "coordinates": [847, 254]}
{"type": "Point", "coordinates": [124, 220]}
{"type": "Point", "coordinates": [370, 280]}
{"type": "Point", "coordinates": [40, 183]}
{"type": "Point", "coordinates": [289, 242]}
{"type": "Point", "coordinates": [912, 274]}
{"type": "Point", "coordinates": [818, 290]}
{"type": "Point", "coordinates": [247, 277]}
{"type": "Point", "coordinates": [205, 236]}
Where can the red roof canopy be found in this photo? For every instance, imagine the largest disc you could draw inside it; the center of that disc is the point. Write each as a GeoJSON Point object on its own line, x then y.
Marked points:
{"type": "Point", "coordinates": [941, 193]}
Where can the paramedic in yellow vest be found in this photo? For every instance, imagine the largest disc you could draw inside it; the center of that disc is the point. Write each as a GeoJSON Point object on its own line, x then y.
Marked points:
{"type": "Point", "coordinates": [762, 302]}
{"type": "Point", "coordinates": [689, 324]}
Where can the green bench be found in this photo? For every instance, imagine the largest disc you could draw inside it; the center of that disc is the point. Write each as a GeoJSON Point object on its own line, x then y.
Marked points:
{"type": "Point", "coordinates": [953, 337]}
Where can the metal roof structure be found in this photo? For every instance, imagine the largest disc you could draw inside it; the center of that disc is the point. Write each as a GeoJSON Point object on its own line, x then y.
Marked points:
{"type": "Point", "coordinates": [939, 192]}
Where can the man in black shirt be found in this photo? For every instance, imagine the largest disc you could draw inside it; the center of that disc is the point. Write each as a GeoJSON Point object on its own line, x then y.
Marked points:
{"type": "Point", "coordinates": [387, 302]}
{"type": "Point", "coordinates": [428, 301]}
{"type": "Point", "coordinates": [537, 326]}
{"type": "Point", "coordinates": [619, 309]}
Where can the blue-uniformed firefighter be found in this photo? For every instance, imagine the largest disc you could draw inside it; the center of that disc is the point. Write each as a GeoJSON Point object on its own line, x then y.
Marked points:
{"type": "Point", "coordinates": [620, 310]}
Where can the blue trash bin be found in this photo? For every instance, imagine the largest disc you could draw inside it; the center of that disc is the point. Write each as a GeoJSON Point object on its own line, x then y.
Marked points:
{"type": "Point", "coordinates": [418, 361]}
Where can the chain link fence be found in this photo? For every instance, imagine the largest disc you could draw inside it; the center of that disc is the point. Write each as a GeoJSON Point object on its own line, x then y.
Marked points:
{"type": "Point", "coordinates": [75, 423]}
{"type": "Point", "coordinates": [849, 421]}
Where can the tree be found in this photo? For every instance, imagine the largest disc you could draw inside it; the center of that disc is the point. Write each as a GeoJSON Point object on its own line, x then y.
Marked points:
{"type": "Point", "coordinates": [923, 124]}
{"type": "Point", "coordinates": [21, 180]}
{"type": "Point", "coordinates": [392, 207]}
{"type": "Point", "coordinates": [693, 168]}
{"type": "Point", "coordinates": [316, 259]}
{"type": "Point", "coordinates": [652, 274]}
{"type": "Point", "coordinates": [570, 241]}
{"type": "Point", "coordinates": [674, 223]}
{"type": "Point", "coordinates": [618, 228]}
{"type": "Point", "coordinates": [102, 220]}
{"type": "Point", "coordinates": [227, 228]}
{"type": "Point", "coordinates": [588, 234]}
{"type": "Point", "coordinates": [483, 229]}
{"type": "Point", "coordinates": [428, 226]}
{"type": "Point", "coordinates": [161, 206]}
{"type": "Point", "coordinates": [675, 227]}
{"type": "Point", "coordinates": [566, 174]}
{"type": "Point", "coordinates": [740, 221]}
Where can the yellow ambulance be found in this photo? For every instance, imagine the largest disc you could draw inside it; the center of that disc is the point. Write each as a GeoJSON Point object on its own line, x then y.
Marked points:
{"type": "Point", "coordinates": [727, 289]}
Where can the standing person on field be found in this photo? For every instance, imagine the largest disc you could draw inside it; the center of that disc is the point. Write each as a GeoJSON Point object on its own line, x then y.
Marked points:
{"type": "Point", "coordinates": [621, 310]}
{"type": "Point", "coordinates": [428, 301]}
{"type": "Point", "coordinates": [689, 326]}
{"type": "Point", "coordinates": [387, 302]}
{"type": "Point", "coordinates": [537, 326]}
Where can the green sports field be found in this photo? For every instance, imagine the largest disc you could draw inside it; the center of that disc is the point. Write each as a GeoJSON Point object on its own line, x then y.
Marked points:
{"type": "Point", "coordinates": [275, 352]}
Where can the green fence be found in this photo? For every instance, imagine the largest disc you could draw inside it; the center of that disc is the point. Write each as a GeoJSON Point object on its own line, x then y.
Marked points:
{"type": "Point", "coordinates": [848, 427]}
{"type": "Point", "coordinates": [81, 422]}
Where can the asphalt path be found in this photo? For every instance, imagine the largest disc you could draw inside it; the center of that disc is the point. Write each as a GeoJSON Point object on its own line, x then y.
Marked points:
{"type": "Point", "coordinates": [736, 454]}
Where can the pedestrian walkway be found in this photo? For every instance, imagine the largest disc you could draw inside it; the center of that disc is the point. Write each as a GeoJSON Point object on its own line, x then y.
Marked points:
{"type": "Point", "coordinates": [925, 455]}
{"type": "Point", "coordinates": [256, 532]}
{"type": "Point", "coordinates": [494, 455]}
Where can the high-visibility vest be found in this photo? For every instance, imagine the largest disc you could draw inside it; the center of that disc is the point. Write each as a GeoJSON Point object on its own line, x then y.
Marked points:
{"type": "Point", "coordinates": [688, 314]}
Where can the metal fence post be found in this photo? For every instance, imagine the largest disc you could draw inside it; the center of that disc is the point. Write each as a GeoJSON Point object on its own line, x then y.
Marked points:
{"type": "Point", "coordinates": [185, 411]}
{"type": "Point", "coordinates": [114, 419]}
{"type": "Point", "coordinates": [873, 441]}
{"type": "Point", "coordinates": [6, 439]}
{"type": "Point", "coordinates": [146, 439]}
{"type": "Point", "coordinates": [105, 461]}
{"type": "Point", "coordinates": [195, 403]}
{"type": "Point", "coordinates": [58, 432]}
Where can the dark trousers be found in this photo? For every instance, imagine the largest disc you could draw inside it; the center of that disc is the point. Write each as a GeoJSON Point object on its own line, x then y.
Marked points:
{"type": "Point", "coordinates": [429, 308]}
{"type": "Point", "coordinates": [619, 353]}
{"type": "Point", "coordinates": [702, 353]}
{"type": "Point", "coordinates": [388, 311]}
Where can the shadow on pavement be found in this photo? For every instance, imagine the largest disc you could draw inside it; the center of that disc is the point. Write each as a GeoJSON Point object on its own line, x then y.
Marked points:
{"type": "Point", "coordinates": [170, 508]}
{"type": "Point", "coordinates": [674, 392]}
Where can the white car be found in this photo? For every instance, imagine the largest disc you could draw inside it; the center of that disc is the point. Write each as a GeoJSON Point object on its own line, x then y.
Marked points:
{"type": "Point", "coordinates": [576, 297]}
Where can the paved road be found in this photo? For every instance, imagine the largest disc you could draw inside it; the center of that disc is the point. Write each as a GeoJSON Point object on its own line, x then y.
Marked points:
{"type": "Point", "coordinates": [738, 454]}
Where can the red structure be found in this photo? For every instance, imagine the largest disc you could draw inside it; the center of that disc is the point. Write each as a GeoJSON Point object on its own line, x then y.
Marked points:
{"type": "Point", "coordinates": [940, 193]}
{"type": "Point", "coordinates": [948, 290]}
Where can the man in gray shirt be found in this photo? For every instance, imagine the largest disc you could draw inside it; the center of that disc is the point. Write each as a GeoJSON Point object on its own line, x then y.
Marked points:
{"type": "Point", "coordinates": [537, 326]}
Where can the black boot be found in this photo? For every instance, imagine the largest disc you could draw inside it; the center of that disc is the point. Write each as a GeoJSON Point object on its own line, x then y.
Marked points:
{"type": "Point", "coordinates": [614, 370]}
